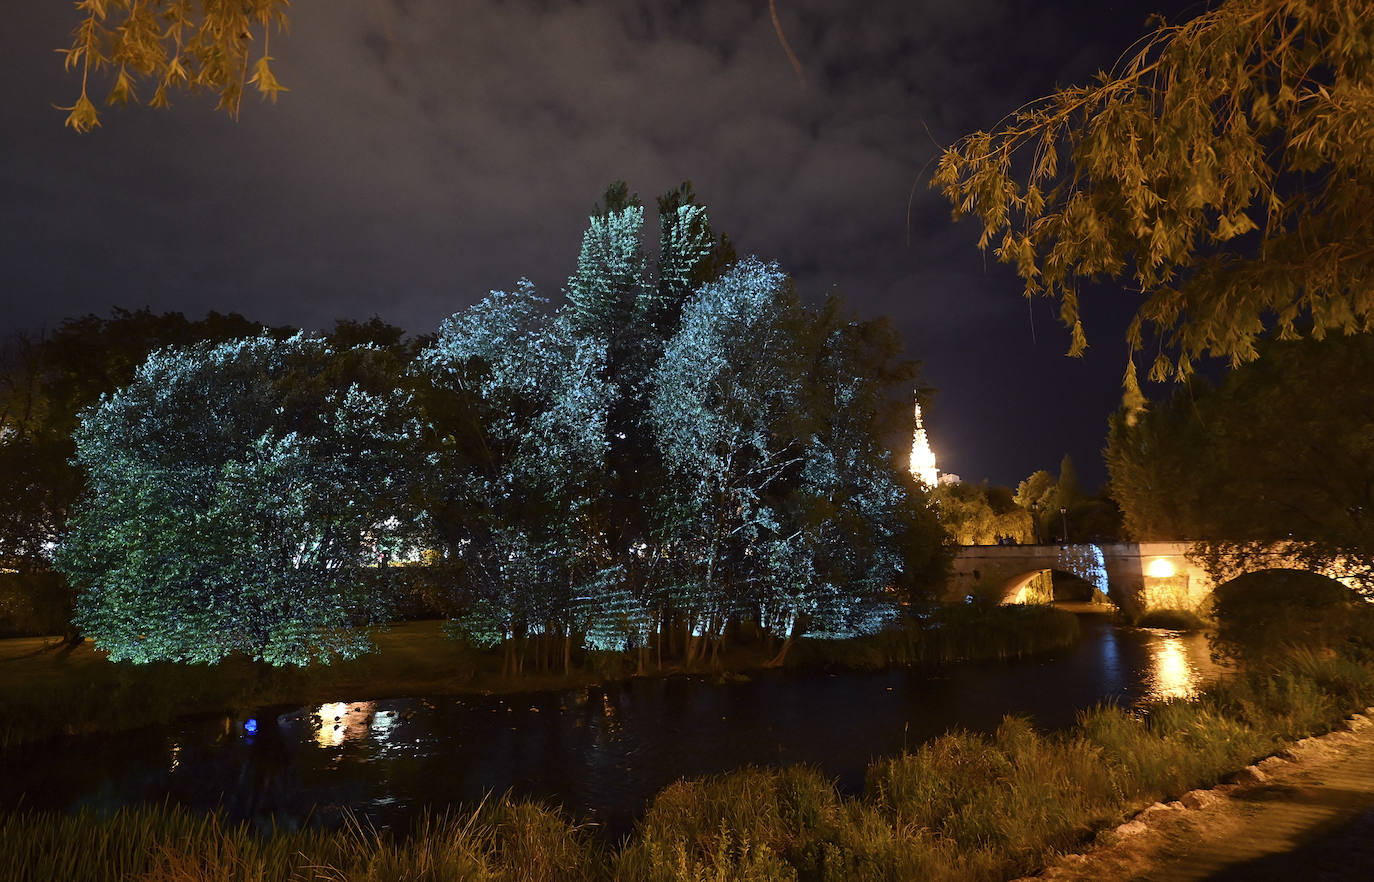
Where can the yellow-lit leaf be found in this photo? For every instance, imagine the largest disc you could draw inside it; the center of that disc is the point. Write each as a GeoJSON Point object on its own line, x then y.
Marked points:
{"type": "Point", "coordinates": [82, 115]}
{"type": "Point", "coordinates": [264, 79]}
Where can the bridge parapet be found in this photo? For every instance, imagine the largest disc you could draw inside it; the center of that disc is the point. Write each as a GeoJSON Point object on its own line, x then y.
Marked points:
{"type": "Point", "coordinates": [1136, 576]}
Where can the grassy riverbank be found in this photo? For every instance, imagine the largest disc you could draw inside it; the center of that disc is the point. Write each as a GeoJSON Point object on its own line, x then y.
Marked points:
{"type": "Point", "coordinates": [47, 690]}
{"type": "Point", "coordinates": [963, 807]}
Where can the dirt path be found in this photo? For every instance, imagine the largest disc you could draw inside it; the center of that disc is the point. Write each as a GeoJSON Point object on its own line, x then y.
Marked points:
{"type": "Point", "coordinates": [1307, 814]}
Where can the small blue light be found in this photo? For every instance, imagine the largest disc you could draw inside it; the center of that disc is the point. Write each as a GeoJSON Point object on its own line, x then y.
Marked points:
{"type": "Point", "coordinates": [250, 726]}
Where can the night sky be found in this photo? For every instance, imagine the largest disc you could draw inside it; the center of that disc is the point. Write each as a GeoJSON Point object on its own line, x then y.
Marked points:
{"type": "Point", "coordinates": [432, 150]}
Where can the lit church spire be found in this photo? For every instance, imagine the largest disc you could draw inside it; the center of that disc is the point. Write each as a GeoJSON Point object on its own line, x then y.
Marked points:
{"type": "Point", "coordinates": [922, 457]}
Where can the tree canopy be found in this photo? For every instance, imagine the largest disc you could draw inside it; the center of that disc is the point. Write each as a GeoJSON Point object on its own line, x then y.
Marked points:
{"type": "Point", "coordinates": [1278, 453]}
{"type": "Point", "coordinates": [45, 382]}
{"type": "Point", "coordinates": [1222, 168]}
{"type": "Point", "coordinates": [681, 448]}
{"type": "Point", "coordinates": [233, 506]}
{"type": "Point", "coordinates": [677, 447]}
{"type": "Point", "coordinates": [983, 514]}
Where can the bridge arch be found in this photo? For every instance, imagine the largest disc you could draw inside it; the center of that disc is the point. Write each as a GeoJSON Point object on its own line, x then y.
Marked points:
{"type": "Point", "coordinates": [1136, 576]}
{"type": "Point", "coordinates": [1291, 585]}
{"type": "Point", "coordinates": [1003, 573]}
{"type": "Point", "coordinates": [1043, 586]}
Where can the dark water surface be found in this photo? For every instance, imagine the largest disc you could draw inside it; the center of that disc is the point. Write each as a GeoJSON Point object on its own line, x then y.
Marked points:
{"type": "Point", "coordinates": [602, 753]}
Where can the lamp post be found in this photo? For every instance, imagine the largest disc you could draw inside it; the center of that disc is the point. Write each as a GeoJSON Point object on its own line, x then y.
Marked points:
{"type": "Point", "coordinates": [1064, 519]}
{"type": "Point", "coordinates": [1035, 521]}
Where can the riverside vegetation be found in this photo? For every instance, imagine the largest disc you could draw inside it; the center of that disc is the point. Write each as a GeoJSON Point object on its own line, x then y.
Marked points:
{"type": "Point", "coordinates": [49, 690]}
{"type": "Point", "coordinates": [962, 807]}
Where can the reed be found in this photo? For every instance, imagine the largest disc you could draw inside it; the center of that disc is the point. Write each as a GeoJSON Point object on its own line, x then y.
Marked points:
{"type": "Point", "coordinates": [506, 840]}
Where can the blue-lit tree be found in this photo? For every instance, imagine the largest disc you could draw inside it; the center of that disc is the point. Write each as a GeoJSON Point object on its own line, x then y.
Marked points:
{"type": "Point", "coordinates": [784, 505]}
{"type": "Point", "coordinates": [726, 400]}
{"type": "Point", "coordinates": [233, 505]}
{"type": "Point", "coordinates": [518, 413]}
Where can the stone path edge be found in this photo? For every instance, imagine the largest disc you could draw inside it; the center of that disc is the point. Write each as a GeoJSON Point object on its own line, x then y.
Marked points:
{"type": "Point", "coordinates": [1315, 750]}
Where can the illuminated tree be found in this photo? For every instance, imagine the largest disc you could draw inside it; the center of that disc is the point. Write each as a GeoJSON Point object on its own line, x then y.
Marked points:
{"type": "Point", "coordinates": [615, 298]}
{"type": "Point", "coordinates": [518, 407]}
{"type": "Point", "coordinates": [781, 499]}
{"type": "Point", "coordinates": [1059, 504]}
{"type": "Point", "coordinates": [981, 514]}
{"type": "Point", "coordinates": [857, 532]}
{"type": "Point", "coordinates": [45, 382]}
{"type": "Point", "coordinates": [230, 510]}
{"type": "Point", "coordinates": [1223, 169]}
{"type": "Point", "coordinates": [191, 45]}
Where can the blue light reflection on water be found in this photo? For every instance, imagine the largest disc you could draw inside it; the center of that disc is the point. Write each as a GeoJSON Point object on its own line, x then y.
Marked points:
{"type": "Point", "coordinates": [600, 752]}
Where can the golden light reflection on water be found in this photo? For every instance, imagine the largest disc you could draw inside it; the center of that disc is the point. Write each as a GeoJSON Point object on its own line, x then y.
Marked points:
{"type": "Point", "coordinates": [340, 721]}
{"type": "Point", "coordinates": [1173, 674]}
{"type": "Point", "coordinates": [613, 722]}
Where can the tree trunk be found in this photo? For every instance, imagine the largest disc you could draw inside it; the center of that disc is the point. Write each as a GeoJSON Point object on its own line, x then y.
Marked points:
{"type": "Point", "coordinates": [777, 660]}
{"type": "Point", "coordinates": [690, 644]}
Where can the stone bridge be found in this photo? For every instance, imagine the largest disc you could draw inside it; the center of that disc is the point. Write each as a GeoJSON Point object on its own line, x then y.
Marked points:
{"type": "Point", "coordinates": [1136, 576]}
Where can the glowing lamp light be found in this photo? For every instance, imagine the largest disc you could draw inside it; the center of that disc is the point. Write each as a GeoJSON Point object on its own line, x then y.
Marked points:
{"type": "Point", "coordinates": [250, 726]}
{"type": "Point", "coordinates": [1160, 568]}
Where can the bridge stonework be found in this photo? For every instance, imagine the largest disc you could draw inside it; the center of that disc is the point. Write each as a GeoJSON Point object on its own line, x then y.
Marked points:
{"type": "Point", "coordinates": [1136, 576]}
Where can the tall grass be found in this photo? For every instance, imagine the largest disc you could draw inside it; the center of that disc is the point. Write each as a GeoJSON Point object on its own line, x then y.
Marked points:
{"type": "Point", "coordinates": [975, 807]}
{"type": "Point", "coordinates": [507, 840]}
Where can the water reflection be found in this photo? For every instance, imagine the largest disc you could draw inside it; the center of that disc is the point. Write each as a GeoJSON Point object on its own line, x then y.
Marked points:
{"type": "Point", "coordinates": [339, 721]}
{"type": "Point", "coordinates": [1174, 671]}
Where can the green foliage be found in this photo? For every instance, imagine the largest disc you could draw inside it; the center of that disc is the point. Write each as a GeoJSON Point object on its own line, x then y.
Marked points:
{"type": "Point", "coordinates": [1087, 518]}
{"type": "Point", "coordinates": [45, 382]}
{"type": "Point", "coordinates": [1222, 168]}
{"type": "Point", "coordinates": [191, 45]}
{"type": "Point", "coordinates": [1278, 453]}
{"type": "Point", "coordinates": [981, 514]}
{"type": "Point", "coordinates": [770, 419]}
{"type": "Point", "coordinates": [230, 508]}
{"type": "Point", "coordinates": [672, 449]}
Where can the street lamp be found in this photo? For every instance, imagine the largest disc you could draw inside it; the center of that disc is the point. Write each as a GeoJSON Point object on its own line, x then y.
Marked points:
{"type": "Point", "coordinates": [1035, 521]}
{"type": "Point", "coordinates": [1064, 519]}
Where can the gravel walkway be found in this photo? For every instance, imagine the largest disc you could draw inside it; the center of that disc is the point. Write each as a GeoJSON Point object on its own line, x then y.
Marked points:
{"type": "Point", "coordinates": [1307, 814]}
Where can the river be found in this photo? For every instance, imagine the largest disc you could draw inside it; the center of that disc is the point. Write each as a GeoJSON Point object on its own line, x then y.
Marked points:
{"type": "Point", "coordinates": [601, 752]}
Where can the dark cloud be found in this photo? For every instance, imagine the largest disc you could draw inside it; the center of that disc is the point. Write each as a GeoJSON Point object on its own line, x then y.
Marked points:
{"type": "Point", "coordinates": [429, 151]}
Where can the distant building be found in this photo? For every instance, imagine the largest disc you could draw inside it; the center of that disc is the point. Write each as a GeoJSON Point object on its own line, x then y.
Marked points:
{"type": "Point", "coordinates": [923, 466]}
